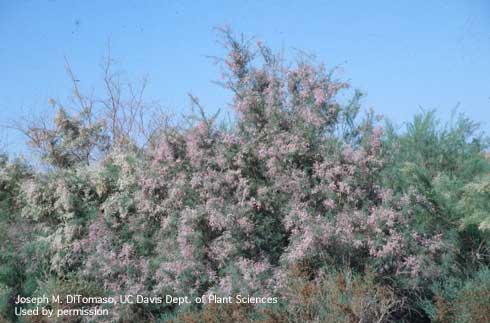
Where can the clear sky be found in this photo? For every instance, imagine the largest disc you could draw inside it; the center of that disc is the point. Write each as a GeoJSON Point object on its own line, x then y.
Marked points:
{"type": "Point", "coordinates": [403, 54]}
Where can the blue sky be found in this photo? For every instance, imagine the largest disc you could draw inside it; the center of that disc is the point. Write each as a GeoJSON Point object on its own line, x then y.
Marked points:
{"type": "Point", "coordinates": [403, 54]}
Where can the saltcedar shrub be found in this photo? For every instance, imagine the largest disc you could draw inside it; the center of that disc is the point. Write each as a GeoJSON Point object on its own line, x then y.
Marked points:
{"type": "Point", "coordinates": [300, 196]}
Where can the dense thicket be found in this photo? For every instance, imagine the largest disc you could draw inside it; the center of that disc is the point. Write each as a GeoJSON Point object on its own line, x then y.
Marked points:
{"type": "Point", "coordinates": [342, 217]}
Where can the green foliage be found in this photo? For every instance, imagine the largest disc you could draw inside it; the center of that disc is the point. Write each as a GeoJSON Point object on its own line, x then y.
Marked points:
{"type": "Point", "coordinates": [12, 174]}
{"type": "Point", "coordinates": [72, 141]}
{"type": "Point", "coordinates": [475, 203]}
{"type": "Point", "coordinates": [461, 301]}
{"type": "Point", "coordinates": [440, 166]}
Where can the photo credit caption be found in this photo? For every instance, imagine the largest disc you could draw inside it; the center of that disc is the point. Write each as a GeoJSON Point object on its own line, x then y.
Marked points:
{"type": "Point", "coordinates": [55, 305]}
